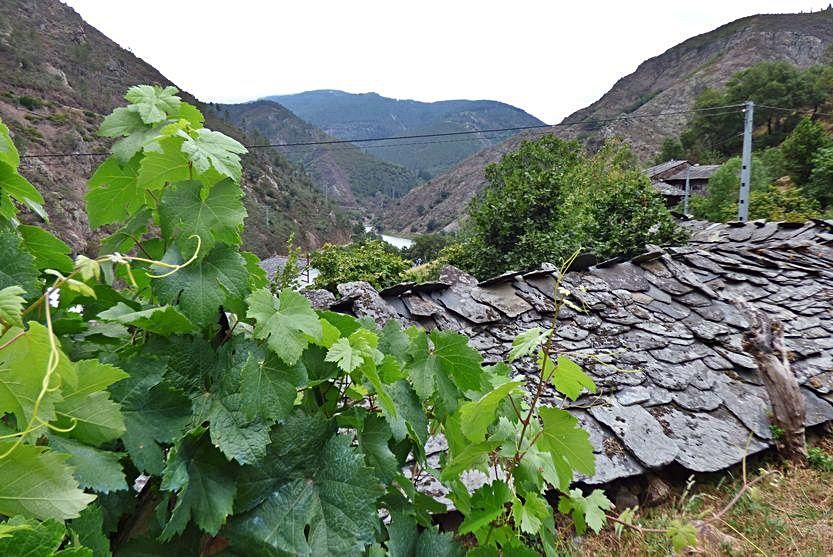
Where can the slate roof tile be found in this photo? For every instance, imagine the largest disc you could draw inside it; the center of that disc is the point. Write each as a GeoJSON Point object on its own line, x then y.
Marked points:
{"type": "Point", "coordinates": [676, 385]}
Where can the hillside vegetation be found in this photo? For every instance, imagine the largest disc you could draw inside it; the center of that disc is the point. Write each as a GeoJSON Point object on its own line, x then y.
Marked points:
{"type": "Point", "coordinates": [347, 116]}
{"type": "Point", "coordinates": [669, 82]}
{"type": "Point", "coordinates": [792, 166]}
{"type": "Point", "coordinates": [59, 76]}
{"type": "Point", "coordinates": [343, 172]}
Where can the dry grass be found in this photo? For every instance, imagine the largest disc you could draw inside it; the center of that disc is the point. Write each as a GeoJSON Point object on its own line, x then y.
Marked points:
{"type": "Point", "coordinates": [788, 513]}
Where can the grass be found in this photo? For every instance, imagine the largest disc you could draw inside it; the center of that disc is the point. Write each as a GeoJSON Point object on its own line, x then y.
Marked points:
{"type": "Point", "coordinates": [790, 513]}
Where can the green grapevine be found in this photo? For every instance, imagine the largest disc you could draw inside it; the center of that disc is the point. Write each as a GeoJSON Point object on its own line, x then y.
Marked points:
{"type": "Point", "coordinates": [160, 399]}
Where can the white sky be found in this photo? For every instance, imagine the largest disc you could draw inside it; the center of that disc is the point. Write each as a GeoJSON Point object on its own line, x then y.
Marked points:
{"type": "Point", "coordinates": [548, 57]}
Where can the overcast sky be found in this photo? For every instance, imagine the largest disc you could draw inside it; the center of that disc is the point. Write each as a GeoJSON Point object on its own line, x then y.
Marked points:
{"type": "Point", "coordinates": [547, 57]}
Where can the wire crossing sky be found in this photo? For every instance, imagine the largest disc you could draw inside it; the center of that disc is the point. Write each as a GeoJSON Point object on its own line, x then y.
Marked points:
{"type": "Point", "coordinates": [548, 58]}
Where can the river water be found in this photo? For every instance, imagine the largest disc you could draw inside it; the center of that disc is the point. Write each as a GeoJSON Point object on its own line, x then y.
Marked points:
{"type": "Point", "coordinates": [397, 242]}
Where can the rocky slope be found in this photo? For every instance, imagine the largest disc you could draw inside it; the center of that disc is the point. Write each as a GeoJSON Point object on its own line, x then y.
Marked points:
{"type": "Point", "coordinates": [347, 116]}
{"type": "Point", "coordinates": [58, 78]}
{"type": "Point", "coordinates": [343, 172]}
{"type": "Point", "coordinates": [666, 83]}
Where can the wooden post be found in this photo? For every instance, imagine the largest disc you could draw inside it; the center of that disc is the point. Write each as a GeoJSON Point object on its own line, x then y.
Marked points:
{"type": "Point", "coordinates": [765, 342]}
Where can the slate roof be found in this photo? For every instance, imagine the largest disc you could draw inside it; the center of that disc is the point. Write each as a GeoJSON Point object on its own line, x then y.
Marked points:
{"type": "Point", "coordinates": [697, 172]}
{"type": "Point", "coordinates": [659, 335]}
{"type": "Point", "coordinates": [658, 169]}
{"type": "Point", "coordinates": [666, 189]}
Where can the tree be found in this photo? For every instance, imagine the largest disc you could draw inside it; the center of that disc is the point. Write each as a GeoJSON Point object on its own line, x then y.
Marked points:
{"type": "Point", "coordinates": [766, 201]}
{"type": "Point", "coordinates": [373, 261]}
{"type": "Point", "coordinates": [549, 198]}
{"type": "Point", "coordinates": [671, 149]}
{"type": "Point", "coordinates": [820, 186]}
{"type": "Point", "coordinates": [801, 146]}
{"type": "Point", "coordinates": [782, 203]}
{"type": "Point", "coordinates": [720, 204]}
{"type": "Point", "coordinates": [426, 247]}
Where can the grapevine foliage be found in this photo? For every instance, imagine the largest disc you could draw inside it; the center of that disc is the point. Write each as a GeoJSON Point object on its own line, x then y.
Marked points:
{"type": "Point", "coordinates": [160, 399]}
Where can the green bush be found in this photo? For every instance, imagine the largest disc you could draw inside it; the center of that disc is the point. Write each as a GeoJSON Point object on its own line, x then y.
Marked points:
{"type": "Point", "coordinates": [766, 201]}
{"type": "Point", "coordinates": [549, 198]}
{"type": "Point", "coordinates": [371, 261]}
{"type": "Point", "coordinates": [427, 247]}
{"type": "Point", "coordinates": [32, 103]}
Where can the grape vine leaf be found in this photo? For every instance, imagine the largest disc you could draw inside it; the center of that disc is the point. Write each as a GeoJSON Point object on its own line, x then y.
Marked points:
{"type": "Point", "coordinates": [27, 537]}
{"type": "Point", "coordinates": [94, 468]}
{"type": "Point", "coordinates": [527, 342]}
{"type": "Point", "coordinates": [268, 387]}
{"type": "Point", "coordinates": [87, 409]}
{"type": "Point", "coordinates": [373, 440]}
{"type": "Point", "coordinates": [22, 370]}
{"type": "Point", "coordinates": [165, 166]}
{"type": "Point", "coordinates": [204, 482]}
{"type": "Point", "coordinates": [49, 252]}
{"type": "Point", "coordinates": [233, 433]}
{"type": "Point", "coordinates": [568, 444]}
{"type": "Point", "coordinates": [216, 217]}
{"type": "Point", "coordinates": [433, 543]}
{"type": "Point", "coordinates": [121, 122]}
{"type": "Point", "coordinates": [37, 482]}
{"type": "Point", "coordinates": [345, 356]}
{"type": "Point", "coordinates": [531, 513]}
{"type": "Point", "coordinates": [487, 503]}
{"type": "Point", "coordinates": [15, 185]}
{"type": "Point", "coordinates": [153, 103]}
{"type": "Point", "coordinates": [566, 376]}
{"type": "Point", "coordinates": [153, 412]}
{"type": "Point", "coordinates": [409, 419]}
{"type": "Point", "coordinates": [682, 535]}
{"type": "Point", "coordinates": [284, 322]}
{"type": "Point", "coordinates": [586, 511]}
{"type": "Point", "coordinates": [163, 320]}
{"type": "Point", "coordinates": [211, 148]}
{"type": "Point", "coordinates": [18, 264]}
{"type": "Point", "coordinates": [329, 510]}
{"type": "Point", "coordinates": [457, 359]}
{"type": "Point", "coordinates": [477, 415]}
{"type": "Point", "coordinates": [296, 445]}
{"type": "Point", "coordinates": [218, 279]}
{"type": "Point", "coordinates": [89, 529]}
{"type": "Point", "coordinates": [8, 151]}
{"type": "Point", "coordinates": [11, 305]}
{"type": "Point", "coordinates": [112, 192]}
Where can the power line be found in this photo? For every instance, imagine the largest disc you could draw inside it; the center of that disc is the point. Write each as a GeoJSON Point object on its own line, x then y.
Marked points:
{"type": "Point", "coordinates": [585, 123]}
{"type": "Point", "coordinates": [791, 109]}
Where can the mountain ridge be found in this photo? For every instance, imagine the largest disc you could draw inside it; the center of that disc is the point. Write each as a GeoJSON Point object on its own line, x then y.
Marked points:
{"type": "Point", "coordinates": [668, 82]}
{"type": "Point", "coordinates": [344, 172]}
{"type": "Point", "coordinates": [59, 76]}
{"type": "Point", "coordinates": [370, 115]}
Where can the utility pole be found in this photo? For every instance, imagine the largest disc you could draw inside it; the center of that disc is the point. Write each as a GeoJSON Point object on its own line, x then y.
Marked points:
{"type": "Point", "coordinates": [746, 164]}
{"type": "Point", "coordinates": [687, 189]}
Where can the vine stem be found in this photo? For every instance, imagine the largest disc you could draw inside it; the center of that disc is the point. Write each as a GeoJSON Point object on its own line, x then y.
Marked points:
{"type": "Point", "coordinates": [35, 421]}
{"type": "Point", "coordinates": [547, 349]}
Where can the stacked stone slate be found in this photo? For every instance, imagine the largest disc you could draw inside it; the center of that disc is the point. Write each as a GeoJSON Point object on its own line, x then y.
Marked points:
{"type": "Point", "coordinates": [658, 333]}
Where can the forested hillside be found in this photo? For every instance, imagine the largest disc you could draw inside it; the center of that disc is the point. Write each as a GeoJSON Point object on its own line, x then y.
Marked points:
{"type": "Point", "coordinates": [348, 116]}
{"type": "Point", "coordinates": [59, 76]}
{"type": "Point", "coordinates": [343, 172]}
{"type": "Point", "coordinates": [668, 83]}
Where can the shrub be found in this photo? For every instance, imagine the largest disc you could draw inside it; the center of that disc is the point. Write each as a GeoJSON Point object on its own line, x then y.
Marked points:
{"type": "Point", "coordinates": [371, 261]}
{"type": "Point", "coordinates": [549, 198]}
{"type": "Point", "coordinates": [32, 103]}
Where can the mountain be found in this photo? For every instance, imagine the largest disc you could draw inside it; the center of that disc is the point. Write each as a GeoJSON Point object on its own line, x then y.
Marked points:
{"type": "Point", "coordinates": [368, 115]}
{"type": "Point", "coordinates": [59, 77]}
{"type": "Point", "coordinates": [666, 83]}
{"type": "Point", "coordinates": [343, 172]}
